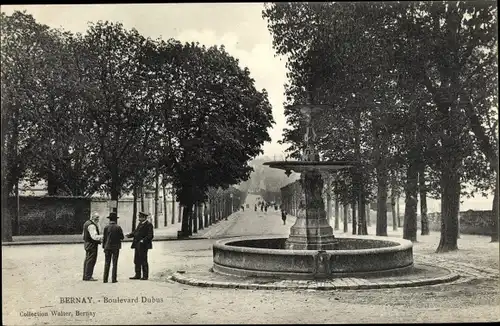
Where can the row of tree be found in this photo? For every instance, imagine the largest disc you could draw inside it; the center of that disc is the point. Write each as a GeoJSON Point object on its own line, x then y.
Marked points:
{"type": "Point", "coordinates": [412, 95]}
{"type": "Point", "coordinates": [111, 110]}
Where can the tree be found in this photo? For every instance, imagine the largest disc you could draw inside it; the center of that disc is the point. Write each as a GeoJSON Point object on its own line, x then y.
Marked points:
{"type": "Point", "coordinates": [446, 47]}
{"type": "Point", "coordinates": [22, 39]}
{"type": "Point", "coordinates": [120, 111]}
{"type": "Point", "coordinates": [220, 123]}
{"type": "Point", "coordinates": [434, 48]}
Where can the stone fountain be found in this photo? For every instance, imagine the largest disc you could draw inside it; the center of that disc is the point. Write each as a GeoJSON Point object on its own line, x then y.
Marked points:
{"type": "Point", "coordinates": [311, 230]}
{"type": "Point", "coordinates": [311, 251]}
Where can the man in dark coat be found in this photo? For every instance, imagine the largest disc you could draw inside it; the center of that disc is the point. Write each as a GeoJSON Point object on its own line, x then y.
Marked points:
{"type": "Point", "coordinates": [283, 214]}
{"type": "Point", "coordinates": [112, 243]}
{"type": "Point", "coordinates": [142, 242]}
{"type": "Point", "coordinates": [92, 239]}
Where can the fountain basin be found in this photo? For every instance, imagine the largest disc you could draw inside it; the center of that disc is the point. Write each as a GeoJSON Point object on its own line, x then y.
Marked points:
{"type": "Point", "coordinates": [265, 256]}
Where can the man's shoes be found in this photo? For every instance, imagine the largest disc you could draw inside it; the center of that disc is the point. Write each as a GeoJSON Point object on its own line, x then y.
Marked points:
{"type": "Point", "coordinates": [135, 277]}
{"type": "Point", "coordinates": [114, 281]}
{"type": "Point", "coordinates": [144, 278]}
{"type": "Point", "coordinates": [89, 279]}
{"type": "Point", "coordinates": [105, 281]}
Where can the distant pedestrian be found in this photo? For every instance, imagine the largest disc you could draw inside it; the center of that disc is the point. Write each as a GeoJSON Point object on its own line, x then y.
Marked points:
{"type": "Point", "coordinates": [92, 239]}
{"type": "Point", "coordinates": [143, 241]}
{"type": "Point", "coordinates": [255, 207]}
{"type": "Point", "coordinates": [242, 208]}
{"type": "Point", "coordinates": [283, 215]}
{"type": "Point", "coordinates": [112, 237]}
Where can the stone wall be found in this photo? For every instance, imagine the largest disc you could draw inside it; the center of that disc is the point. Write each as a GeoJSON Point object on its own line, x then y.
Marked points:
{"type": "Point", "coordinates": [471, 222]}
{"type": "Point", "coordinates": [48, 215]}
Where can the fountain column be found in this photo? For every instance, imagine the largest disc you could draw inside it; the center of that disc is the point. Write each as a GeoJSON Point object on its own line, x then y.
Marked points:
{"type": "Point", "coordinates": [312, 230]}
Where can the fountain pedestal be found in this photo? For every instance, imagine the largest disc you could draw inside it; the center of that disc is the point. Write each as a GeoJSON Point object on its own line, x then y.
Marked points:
{"type": "Point", "coordinates": [311, 230]}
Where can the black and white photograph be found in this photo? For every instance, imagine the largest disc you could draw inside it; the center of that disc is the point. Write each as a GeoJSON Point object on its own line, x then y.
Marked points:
{"type": "Point", "coordinates": [250, 163]}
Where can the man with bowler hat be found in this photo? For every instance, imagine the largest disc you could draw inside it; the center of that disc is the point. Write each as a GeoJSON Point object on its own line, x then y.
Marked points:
{"type": "Point", "coordinates": [92, 239]}
{"type": "Point", "coordinates": [142, 242]}
{"type": "Point", "coordinates": [112, 243]}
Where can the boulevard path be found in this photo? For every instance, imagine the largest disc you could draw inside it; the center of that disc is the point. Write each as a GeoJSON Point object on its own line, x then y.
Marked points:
{"type": "Point", "coordinates": [40, 279]}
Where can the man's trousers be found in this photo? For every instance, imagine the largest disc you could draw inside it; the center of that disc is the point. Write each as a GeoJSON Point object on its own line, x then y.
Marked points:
{"type": "Point", "coordinates": [111, 255]}
{"type": "Point", "coordinates": [90, 260]}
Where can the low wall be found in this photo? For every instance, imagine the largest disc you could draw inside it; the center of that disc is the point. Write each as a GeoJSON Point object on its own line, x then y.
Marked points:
{"type": "Point", "coordinates": [471, 222]}
{"type": "Point", "coordinates": [50, 215]}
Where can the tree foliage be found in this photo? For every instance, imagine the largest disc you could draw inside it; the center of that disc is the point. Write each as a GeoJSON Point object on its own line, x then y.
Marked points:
{"type": "Point", "coordinates": [108, 110]}
{"type": "Point", "coordinates": [398, 78]}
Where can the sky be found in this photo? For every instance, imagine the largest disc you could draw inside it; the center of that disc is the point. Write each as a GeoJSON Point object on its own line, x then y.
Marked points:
{"type": "Point", "coordinates": [238, 26]}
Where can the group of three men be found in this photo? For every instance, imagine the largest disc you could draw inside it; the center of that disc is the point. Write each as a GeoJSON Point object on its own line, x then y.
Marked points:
{"type": "Point", "coordinates": [111, 240]}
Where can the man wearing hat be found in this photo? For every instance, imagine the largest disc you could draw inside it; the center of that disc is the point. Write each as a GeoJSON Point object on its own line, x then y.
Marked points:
{"type": "Point", "coordinates": [91, 240]}
{"type": "Point", "coordinates": [112, 237]}
{"type": "Point", "coordinates": [142, 242]}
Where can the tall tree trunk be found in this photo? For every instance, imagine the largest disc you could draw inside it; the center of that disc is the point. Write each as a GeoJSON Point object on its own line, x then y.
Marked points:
{"type": "Point", "coordinates": [6, 216]}
{"type": "Point", "coordinates": [382, 202]}
{"type": "Point", "coordinates": [353, 208]}
{"type": "Point", "coordinates": [18, 217]}
{"type": "Point", "coordinates": [337, 213]}
{"type": "Point", "coordinates": [424, 220]}
{"type": "Point", "coordinates": [494, 213]}
{"type": "Point", "coordinates": [211, 205]}
{"type": "Point", "coordinates": [172, 219]}
{"type": "Point", "coordinates": [186, 215]}
{"type": "Point", "coordinates": [142, 197]}
{"type": "Point", "coordinates": [393, 203]}
{"type": "Point", "coordinates": [194, 219]}
{"type": "Point", "coordinates": [450, 208]}
{"type": "Point", "coordinates": [157, 198]}
{"type": "Point", "coordinates": [115, 191]}
{"type": "Point", "coordinates": [368, 215]}
{"type": "Point", "coordinates": [200, 216]}
{"type": "Point", "coordinates": [450, 178]}
{"type": "Point", "coordinates": [134, 206]}
{"type": "Point", "coordinates": [220, 208]}
{"type": "Point", "coordinates": [346, 218]}
{"type": "Point", "coordinates": [358, 179]}
{"type": "Point", "coordinates": [51, 184]}
{"type": "Point", "coordinates": [410, 218]}
{"type": "Point", "coordinates": [362, 228]}
{"type": "Point", "coordinates": [173, 207]}
{"type": "Point", "coordinates": [397, 211]}
{"type": "Point", "coordinates": [180, 213]}
{"type": "Point", "coordinates": [382, 185]}
{"type": "Point", "coordinates": [165, 212]}
{"type": "Point", "coordinates": [205, 214]}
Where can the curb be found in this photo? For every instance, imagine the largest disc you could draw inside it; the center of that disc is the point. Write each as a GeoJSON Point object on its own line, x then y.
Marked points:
{"type": "Point", "coordinates": [320, 285]}
{"type": "Point", "coordinates": [56, 242]}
